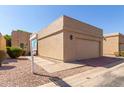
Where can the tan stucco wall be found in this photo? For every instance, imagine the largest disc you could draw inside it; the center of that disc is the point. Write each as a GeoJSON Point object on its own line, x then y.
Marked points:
{"type": "Point", "coordinates": [81, 46]}
{"type": "Point", "coordinates": [82, 31]}
{"type": "Point", "coordinates": [121, 42]}
{"type": "Point", "coordinates": [2, 43]}
{"type": "Point", "coordinates": [113, 43]}
{"type": "Point", "coordinates": [2, 47]}
{"type": "Point", "coordinates": [110, 45]}
{"type": "Point", "coordinates": [74, 25]}
{"type": "Point", "coordinates": [54, 27]}
{"type": "Point", "coordinates": [51, 47]}
{"type": "Point", "coordinates": [21, 37]}
{"type": "Point", "coordinates": [50, 40]}
{"type": "Point", "coordinates": [54, 41]}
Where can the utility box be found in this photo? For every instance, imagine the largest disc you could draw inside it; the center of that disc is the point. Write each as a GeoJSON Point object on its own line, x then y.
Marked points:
{"type": "Point", "coordinates": [68, 39]}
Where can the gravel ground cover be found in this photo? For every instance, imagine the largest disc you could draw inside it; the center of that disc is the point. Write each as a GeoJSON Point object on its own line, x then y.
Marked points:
{"type": "Point", "coordinates": [17, 73]}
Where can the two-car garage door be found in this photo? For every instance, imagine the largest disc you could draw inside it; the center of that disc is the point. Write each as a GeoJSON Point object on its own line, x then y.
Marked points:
{"type": "Point", "coordinates": [87, 49]}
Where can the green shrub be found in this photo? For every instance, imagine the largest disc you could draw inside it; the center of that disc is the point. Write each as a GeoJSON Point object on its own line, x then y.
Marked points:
{"type": "Point", "coordinates": [14, 52]}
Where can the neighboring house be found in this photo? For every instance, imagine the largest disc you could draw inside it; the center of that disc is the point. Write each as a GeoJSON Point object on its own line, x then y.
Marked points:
{"type": "Point", "coordinates": [2, 47]}
{"type": "Point", "coordinates": [113, 43]}
{"type": "Point", "coordinates": [68, 39]}
{"type": "Point", "coordinates": [21, 39]}
{"type": "Point", "coordinates": [2, 42]}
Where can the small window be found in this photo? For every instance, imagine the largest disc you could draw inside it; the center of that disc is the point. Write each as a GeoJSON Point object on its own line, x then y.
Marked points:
{"type": "Point", "coordinates": [71, 37]}
{"type": "Point", "coordinates": [22, 45]}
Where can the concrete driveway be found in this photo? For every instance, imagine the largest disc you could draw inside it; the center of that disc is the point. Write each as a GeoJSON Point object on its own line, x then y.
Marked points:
{"type": "Point", "coordinates": [52, 66]}
{"type": "Point", "coordinates": [99, 77]}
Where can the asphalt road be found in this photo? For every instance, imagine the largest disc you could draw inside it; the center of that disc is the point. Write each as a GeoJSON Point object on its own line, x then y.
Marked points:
{"type": "Point", "coordinates": [113, 78]}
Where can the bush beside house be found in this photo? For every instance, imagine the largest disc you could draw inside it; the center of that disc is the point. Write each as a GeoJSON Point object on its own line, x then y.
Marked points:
{"type": "Point", "coordinates": [8, 40]}
{"type": "Point", "coordinates": [14, 52]}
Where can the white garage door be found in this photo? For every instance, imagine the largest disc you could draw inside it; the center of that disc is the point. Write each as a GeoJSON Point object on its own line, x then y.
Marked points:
{"type": "Point", "coordinates": [87, 49]}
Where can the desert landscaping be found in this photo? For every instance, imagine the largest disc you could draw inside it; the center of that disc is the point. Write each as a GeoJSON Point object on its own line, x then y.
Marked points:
{"type": "Point", "coordinates": [68, 53]}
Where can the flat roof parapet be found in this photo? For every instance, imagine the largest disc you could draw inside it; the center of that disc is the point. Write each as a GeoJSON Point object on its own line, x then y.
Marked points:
{"type": "Point", "coordinates": [70, 24]}
{"type": "Point", "coordinates": [113, 34]}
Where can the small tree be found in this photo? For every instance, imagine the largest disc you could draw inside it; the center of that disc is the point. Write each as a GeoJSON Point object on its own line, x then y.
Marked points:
{"type": "Point", "coordinates": [8, 40]}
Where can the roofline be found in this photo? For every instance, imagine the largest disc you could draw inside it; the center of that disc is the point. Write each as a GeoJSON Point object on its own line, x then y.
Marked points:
{"type": "Point", "coordinates": [22, 31]}
{"type": "Point", "coordinates": [81, 21]}
{"type": "Point", "coordinates": [50, 24]}
{"type": "Point", "coordinates": [113, 34]}
{"type": "Point", "coordinates": [62, 16]}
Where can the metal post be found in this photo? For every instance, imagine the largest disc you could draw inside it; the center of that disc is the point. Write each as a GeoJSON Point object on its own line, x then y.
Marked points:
{"type": "Point", "coordinates": [32, 37]}
{"type": "Point", "coordinates": [32, 61]}
{"type": "Point", "coordinates": [32, 57]}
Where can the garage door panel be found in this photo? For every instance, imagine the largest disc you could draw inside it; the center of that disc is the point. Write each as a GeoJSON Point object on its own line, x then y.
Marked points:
{"type": "Point", "coordinates": [87, 49]}
{"type": "Point", "coordinates": [121, 47]}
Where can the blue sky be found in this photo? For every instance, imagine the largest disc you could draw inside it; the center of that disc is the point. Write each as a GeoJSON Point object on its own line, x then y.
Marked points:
{"type": "Point", "coordinates": [35, 18]}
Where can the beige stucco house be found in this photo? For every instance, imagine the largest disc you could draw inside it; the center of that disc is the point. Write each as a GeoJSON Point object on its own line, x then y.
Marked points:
{"type": "Point", "coordinates": [113, 42]}
{"type": "Point", "coordinates": [2, 47]}
{"type": "Point", "coordinates": [68, 39]}
{"type": "Point", "coordinates": [2, 42]}
{"type": "Point", "coordinates": [21, 39]}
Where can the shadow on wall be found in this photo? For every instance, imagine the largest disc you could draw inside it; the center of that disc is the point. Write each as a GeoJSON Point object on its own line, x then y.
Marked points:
{"type": "Point", "coordinates": [106, 62]}
{"type": "Point", "coordinates": [56, 80]}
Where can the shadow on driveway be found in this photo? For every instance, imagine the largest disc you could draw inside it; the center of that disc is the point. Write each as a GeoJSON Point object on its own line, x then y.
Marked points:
{"type": "Point", "coordinates": [56, 80]}
{"type": "Point", "coordinates": [100, 62]}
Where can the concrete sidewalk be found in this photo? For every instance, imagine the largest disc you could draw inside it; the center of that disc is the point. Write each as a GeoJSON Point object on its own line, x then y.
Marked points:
{"type": "Point", "coordinates": [53, 66]}
{"type": "Point", "coordinates": [85, 79]}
